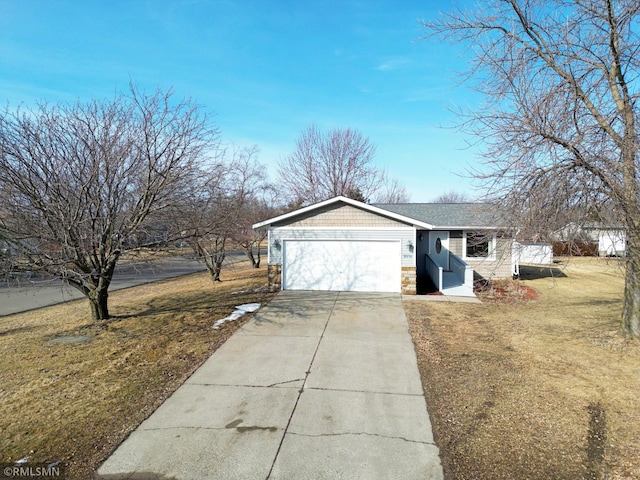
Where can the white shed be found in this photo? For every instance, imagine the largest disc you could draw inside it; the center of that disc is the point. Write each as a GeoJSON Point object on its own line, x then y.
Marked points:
{"type": "Point", "coordinates": [531, 252]}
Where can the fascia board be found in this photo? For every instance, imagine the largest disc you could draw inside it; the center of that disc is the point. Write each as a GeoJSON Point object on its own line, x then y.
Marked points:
{"type": "Point", "coordinates": [348, 201]}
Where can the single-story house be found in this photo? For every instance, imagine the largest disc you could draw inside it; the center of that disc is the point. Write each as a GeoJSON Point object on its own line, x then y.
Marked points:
{"type": "Point", "coordinates": [608, 240]}
{"type": "Point", "coordinates": [345, 245]}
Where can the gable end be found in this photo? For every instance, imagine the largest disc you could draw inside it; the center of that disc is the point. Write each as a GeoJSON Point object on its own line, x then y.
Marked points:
{"type": "Point", "coordinates": [340, 215]}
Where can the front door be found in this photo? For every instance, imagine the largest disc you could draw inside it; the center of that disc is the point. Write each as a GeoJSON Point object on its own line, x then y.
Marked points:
{"type": "Point", "coordinates": [439, 248]}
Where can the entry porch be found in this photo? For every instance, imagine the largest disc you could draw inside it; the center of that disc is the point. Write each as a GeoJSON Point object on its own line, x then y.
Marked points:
{"type": "Point", "coordinates": [438, 269]}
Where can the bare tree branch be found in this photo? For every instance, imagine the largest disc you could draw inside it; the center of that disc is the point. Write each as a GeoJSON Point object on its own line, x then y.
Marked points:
{"type": "Point", "coordinates": [80, 180]}
{"type": "Point", "coordinates": [560, 79]}
{"type": "Point", "coordinates": [220, 208]}
{"type": "Point", "coordinates": [452, 197]}
{"type": "Point", "coordinates": [325, 165]}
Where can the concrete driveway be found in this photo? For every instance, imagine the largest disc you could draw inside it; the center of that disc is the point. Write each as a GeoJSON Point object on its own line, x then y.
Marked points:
{"type": "Point", "coordinates": [318, 385]}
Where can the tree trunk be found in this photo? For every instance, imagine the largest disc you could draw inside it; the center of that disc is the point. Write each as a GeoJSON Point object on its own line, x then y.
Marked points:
{"type": "Point", "coordinates": [98, 295]}
{"type": "Point", "coordinates": [631, 310]}
{"type": "Point", "coordinates": [99, 304]}
{"type": "Point", "coordinates": [255, 262]}
{"type": "Point", "coordinates": [215, 266]}
{"type": "Point", "coordinates": [215, 274]}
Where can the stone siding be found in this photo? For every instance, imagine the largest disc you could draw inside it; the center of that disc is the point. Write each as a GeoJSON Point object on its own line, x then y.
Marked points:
{"type": "Point", "coordinates": [409, 281]}
{"type": "Point", "coordinates": [274, 277]}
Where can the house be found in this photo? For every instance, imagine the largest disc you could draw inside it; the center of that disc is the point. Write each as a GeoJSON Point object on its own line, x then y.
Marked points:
{"type": "Point", "coordinates": [345, 245]}
{"type": "Point", "coordinates": [606, 240]}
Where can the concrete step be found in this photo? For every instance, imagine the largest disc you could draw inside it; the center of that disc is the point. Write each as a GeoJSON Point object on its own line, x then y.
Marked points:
{"type": "Point", "coordinates": [452, 286]}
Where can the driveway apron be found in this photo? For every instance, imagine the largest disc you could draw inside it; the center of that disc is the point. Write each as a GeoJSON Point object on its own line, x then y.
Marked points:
{"type": "Point", "coordinates": [317, 385]}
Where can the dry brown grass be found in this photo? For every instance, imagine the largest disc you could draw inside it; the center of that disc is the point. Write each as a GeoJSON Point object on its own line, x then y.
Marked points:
{"type": "Point", "coordinates": [544, 389]}
{"type": "Point", "coordinates": [76, 402]}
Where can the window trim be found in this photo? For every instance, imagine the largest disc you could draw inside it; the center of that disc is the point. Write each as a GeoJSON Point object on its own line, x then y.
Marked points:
{"type": "Point", "coordinates": [492, 244]}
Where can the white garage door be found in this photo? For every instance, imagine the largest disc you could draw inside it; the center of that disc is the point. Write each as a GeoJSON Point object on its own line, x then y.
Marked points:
{"type": "Point", "coordinates": [340, 265]}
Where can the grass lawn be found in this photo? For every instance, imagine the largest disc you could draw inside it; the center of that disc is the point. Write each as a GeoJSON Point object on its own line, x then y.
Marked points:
{"type": "Point", "coordinates": [75, 403]}
{"type": "Point", "coordinates": [516, 388]}
{"type": "Point", "coordinates": [534, 389]}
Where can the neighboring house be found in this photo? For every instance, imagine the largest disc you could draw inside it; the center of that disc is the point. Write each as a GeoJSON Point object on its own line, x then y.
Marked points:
{"type": "Point", "coordinates": [609, 240]}
{"type": "Point", "coordinates": [345, 245]}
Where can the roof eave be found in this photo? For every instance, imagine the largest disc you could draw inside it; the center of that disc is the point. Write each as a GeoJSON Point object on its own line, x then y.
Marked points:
{"type": "Point", "coordinates": [348, 201]}
{"type": "Point", "coordinates": [470, 227]}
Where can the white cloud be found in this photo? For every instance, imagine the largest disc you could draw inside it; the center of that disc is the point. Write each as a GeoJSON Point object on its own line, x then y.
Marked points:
{"type": "Point", "coordinates": [392, 64]}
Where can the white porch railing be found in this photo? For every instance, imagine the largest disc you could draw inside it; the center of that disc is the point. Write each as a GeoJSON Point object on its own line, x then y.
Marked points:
{"type": "Point", "coordinates": [462, 270]}
{"type": "Point", "coordinates": [457, 282]}
{"type": "Point", "coordinates": [435, 272]}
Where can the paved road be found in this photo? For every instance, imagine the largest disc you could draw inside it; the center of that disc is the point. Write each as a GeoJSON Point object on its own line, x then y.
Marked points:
{"type": "Point", "coordinates": [36, 292]}
{"type": "Point", "coordinates": [317, 385]}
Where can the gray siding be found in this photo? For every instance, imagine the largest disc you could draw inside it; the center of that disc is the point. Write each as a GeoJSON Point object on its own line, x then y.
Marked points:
{"type": "Point", "coordinates": [340, 215]}
{"type": "Point", "coordinates": [405, 235]}
{"type": "Point", "coordinates": [500, 267]}
{"type": "Point", "coordinates": [455, 246]}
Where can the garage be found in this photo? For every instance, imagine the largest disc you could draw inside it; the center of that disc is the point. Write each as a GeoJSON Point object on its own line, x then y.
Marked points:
{"type": "Point", "coordinates": [342, 265]}
{"type": "Point", "coordinates": [341, 245]}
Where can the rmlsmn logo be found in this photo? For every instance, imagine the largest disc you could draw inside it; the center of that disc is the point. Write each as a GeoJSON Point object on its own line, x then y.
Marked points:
{"type": "Point", "coordinates": [40, 471]}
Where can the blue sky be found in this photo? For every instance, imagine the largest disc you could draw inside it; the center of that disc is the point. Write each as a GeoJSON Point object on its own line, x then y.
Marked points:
{"type": "Point", "coordinates": [265, 69]}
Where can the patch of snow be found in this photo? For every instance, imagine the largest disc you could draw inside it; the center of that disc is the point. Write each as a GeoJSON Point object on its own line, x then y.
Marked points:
{"type": "Point", "coordinates": [237, 313]}
{"type": "Point", "coordinates": [255, 290]}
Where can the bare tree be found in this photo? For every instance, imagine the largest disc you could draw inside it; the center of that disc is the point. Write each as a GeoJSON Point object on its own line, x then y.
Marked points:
{"type": "Point", "coordinates": [392, 192]}
{"type": "Point", "coordinates": [79, 181]}
{"type": "Point", "coordinates": [561, 82]}
{"type": "Point", "coordinates": [452, 196]}
{"type": "Point", "coordinates": [556, 203]}
{"type": "Point", "coordinates": [262, 204]}
{"type": "Point", "coordinates": [219, 210]}
{"type": "Point", "coordinates": [325, 165]}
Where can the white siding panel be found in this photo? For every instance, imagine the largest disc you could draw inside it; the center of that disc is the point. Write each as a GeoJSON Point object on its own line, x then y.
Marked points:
{"type": "Point", "coordinates": [612, 242]}
{"type": "Point", "coordinates": [536, 253]}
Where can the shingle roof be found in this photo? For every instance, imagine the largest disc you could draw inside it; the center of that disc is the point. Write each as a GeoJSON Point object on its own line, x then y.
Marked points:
{"type": "Point", "coordinates": [332, 201]}
{"type": "Point", "coordinates": [450, 215]}
{"type": "Point", "coordinates": [442, 216]}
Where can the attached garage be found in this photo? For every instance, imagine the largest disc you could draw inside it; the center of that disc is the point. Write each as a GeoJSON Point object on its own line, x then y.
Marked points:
{"type": "Point", "coordinates": [342, 245]}
{"type": "Point", "coordinates": [342, 265]}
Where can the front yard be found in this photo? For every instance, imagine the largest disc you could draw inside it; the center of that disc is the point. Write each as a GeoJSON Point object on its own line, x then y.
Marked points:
{"type": "Point", "coordinates": [534, 389]}
{"type": "Point", "coordinates": [516, 388]}
{"type": "Point", "coordinates": [75, 402]}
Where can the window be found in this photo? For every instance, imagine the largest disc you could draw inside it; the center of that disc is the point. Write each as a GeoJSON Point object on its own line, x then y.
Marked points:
{"type": "Point", "coordinates": [479, 245]}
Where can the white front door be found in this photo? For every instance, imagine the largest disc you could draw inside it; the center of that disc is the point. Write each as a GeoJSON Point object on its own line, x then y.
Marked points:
{"type": "Point", "coordinates": [341, 265]}
{"type": "Point", "coordinates": [439, 248]}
